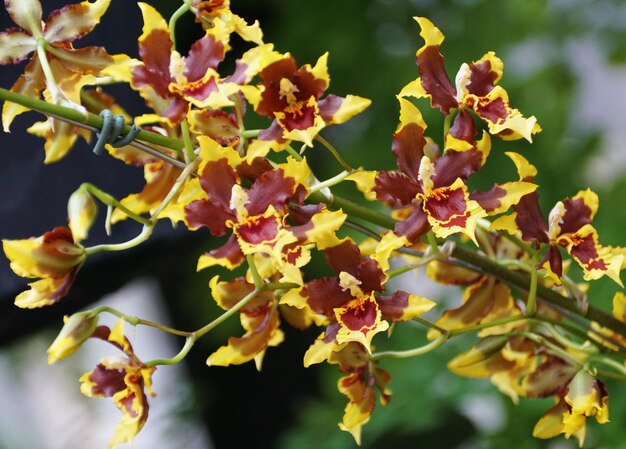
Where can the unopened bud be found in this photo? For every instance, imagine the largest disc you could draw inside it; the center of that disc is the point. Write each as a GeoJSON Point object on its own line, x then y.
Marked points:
{"type": "Point", "coordinates": [78, 328]}
{"type": "Point", "coordinates": [81, 210]}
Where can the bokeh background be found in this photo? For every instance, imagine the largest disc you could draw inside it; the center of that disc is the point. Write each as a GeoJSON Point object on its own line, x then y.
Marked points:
{"type": "Point", "coordinates": [564, 63]}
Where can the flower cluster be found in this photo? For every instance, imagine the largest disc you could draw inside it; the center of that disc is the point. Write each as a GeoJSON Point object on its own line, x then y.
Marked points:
{"type": "Point", "coordinates": [209, 173]}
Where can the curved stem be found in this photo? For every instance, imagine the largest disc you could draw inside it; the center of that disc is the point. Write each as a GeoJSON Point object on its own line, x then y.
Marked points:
{"type": "Point", "coordinates": [234, 309]}
{"type": "Point", "coordinates": [134, 321]}
{"type": "Point", "coordinates": [411, 352]}
{"type": "Point", "coordinates": [145, 234]}
{"type": "Point", "coordinates": [189, 342]}
{"type": "Point", "coordinates": [109, 200]}
{"type": "Point", "coordinates": [188, 145]}
{"type": "Point", "coordinates": [334, 152]}
{"type": "Point", "coordinates": [172, 23]}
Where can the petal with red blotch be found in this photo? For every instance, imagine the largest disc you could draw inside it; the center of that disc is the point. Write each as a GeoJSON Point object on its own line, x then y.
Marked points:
{"type": "Point", "coordinates": [433, 75]}
{"type": "Point", "coordinates": [360, 320]}
{"type": "Point", "coordinates": [402, 306]}
{"type": "Point", "coordinates": [74, 21]}
{"type": "Point", "coordinates": [362, 400]}
{"type": "Point", "coordinates": [595, 260]}
{"type": "Point", "coordinates": [451, 211]}
{"type": "Point", "coordinates": [501, 119]}
{"type": "Point", "coordinates": [549, 378]}
{"type": "Point", "coordinates": [478, 300]}
{"type": "Point", "coordinates": [337, 110]}
{"type": "Point", "coordinates": [228, 255]}
{"type": "Point", "coordinates": [258, 229]}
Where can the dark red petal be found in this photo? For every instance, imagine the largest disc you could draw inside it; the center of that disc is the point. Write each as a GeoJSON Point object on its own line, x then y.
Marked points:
{"type": "Point", "coordinates": [207, 213]}
{"type": "Point", "coordinates": [344, 257]}
{"type": "Point", "coordinates": [328, 106]}
{"type": "Point", "coordinates": [359, 315]}
{"type": "Point", "coordinates": [395, 189]}
{"type": "Point", "coordinates": [489, 200]}
{"type": "Point", "coordinates": [414, 226]}
{"type": "Point", "coordinates": [252, 171]}
{"type": "Point", "coordinates": [106, 381]}
{"type": "Point", "coordinates": [302, 214]}
{"type": "Point", "coordinates": [271, 75]}
{"type": "Point", "coordinates": [577, 214]}
{"type": "Point", "coordinates": [407, 146]}
{"type": "Point", "coordinates": [205, 53]}
{"type": "Point", "coordinates": [554, 258]}
{"type": "Point", "coordinates": [463, 127]}
{"type": "Point", "coordinates": [456, 164]}
{"type": "Point", "coordinates": [530, 220]}
{"type": "Point", "coordinates": [325, 294]}
{"type": "Point", "coordinates": [258, 229]}
{"type": "Point", "coordinates": [271, 188]}
{"type": "Point", "coordinates": [300, 116]}
{"type": "Point", "coordinates": [392, 307]}
{"type": "Point", "coordinates": [154, 51]}
{"type": "Point", "coordinates": [230, 251]}
{"type": "Point", "coordinates": [217, 180]}
{"type": "Point", "coordinates": [482, 78]}
{"type": "Point", "coordinates": [435, 79]}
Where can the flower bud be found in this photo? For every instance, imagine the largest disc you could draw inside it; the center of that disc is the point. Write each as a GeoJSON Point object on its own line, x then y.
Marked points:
{"type": "Point", "coordinates": [78, 328]}
{"type": "Point", "coordinates": [81, 210]}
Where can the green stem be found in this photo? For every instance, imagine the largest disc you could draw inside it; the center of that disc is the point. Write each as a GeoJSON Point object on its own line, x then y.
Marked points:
{"type": "Point", "coordinates": [293, 153]}
{"type": "Point", "coordinates": [172, 23]}
{"type": "Point", "coordinates": [189, 342]}
{"type": "Point", "coordinates": [89, 121]}
{"type": "Point", "coordinates": [432, 242]}
{"type": "Point", "coordinates": [234, 309]}
{"type": "Point", "coordinates": [180, 182]}
{"type": "Point", "coordinates": [134, 321]}
{"type": "Point", "coordinates": [145, 234]}
{"type": "Point", "coordinates": [531, 301]}
{"type": "Point", "coordinates": [329, 182]}
{"type": "Point", "coordinates": [256, 277]}
{"type": "Point", "coordinates": [111, 201]}
{"type": "Point", "coordinates": [250, 133]}
{"type": "Point", "coordinates": [190, 156]}
{"type": "Point", "coordinates": [334, 152]}
{"type": "Point", "coordinates": [411, 352]}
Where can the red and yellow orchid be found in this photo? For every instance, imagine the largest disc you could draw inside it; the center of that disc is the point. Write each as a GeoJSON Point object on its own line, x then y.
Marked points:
{"type": "Point", "coordinates": [568, 226]}
{"type": "Point", "coordinates": [429, 190]}
{"type": "Point", "coordinates": [55, 257]}
{"type": "Point", "coordinates": [291, 97]}
{"type": "Point", "coordinates": [124, 379]}
{"type": "Point", "coordinates": [354, 298]}
{"type": "Point", "coordinates": [476, 89]}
